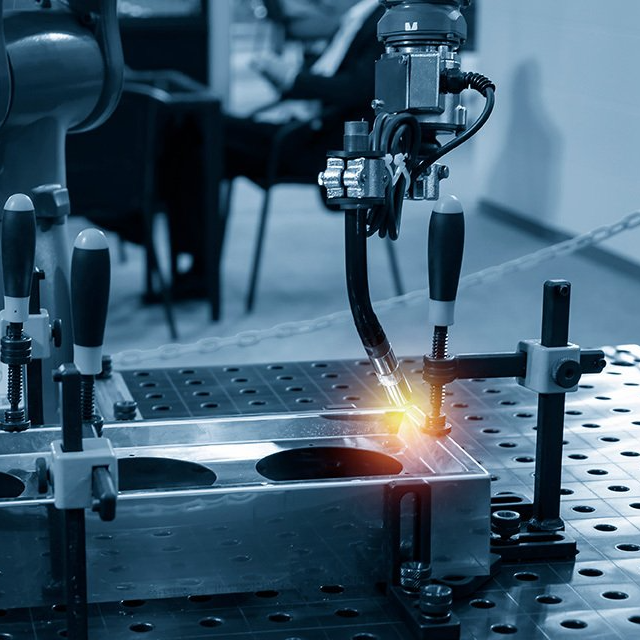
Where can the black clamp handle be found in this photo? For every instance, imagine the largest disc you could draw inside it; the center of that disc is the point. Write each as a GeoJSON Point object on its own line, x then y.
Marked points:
{"type": "Point", "coordinates": [18, 255]}
{"type": "Point", "coordinates": [90, 283]}
{"type": "Point", "coordinates": [446, 247]}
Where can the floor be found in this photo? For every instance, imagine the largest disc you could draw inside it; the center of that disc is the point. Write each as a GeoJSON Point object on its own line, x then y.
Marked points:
{"type": "Point", "coordinates": [307, 280]}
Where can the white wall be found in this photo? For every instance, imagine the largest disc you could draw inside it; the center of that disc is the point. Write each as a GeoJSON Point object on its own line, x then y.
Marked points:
{"type": "Point", "coordinates": [563, 144]}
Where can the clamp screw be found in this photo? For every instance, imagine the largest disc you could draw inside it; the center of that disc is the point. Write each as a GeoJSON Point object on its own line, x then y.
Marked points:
{"type": "Point", "coordinates": [435, 602]}
{"type": "Point", "coordinates": [505, 523]}
{"type": "Point", "coordinates": [566, 373]}
{"type": "Point", "coordinates": [414, 575]}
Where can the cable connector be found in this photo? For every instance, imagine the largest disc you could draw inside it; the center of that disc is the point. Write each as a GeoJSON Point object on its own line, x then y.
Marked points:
{"type": "Point", "coordinates": [456, 81]}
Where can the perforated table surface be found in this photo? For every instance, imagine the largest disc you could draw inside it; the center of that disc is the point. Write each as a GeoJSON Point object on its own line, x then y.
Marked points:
{"type": "Point", "coordinates": [595, 596]}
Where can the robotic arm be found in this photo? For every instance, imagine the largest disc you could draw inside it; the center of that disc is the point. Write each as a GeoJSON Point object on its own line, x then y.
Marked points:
{"type": "Point", "coordinates": [61, 71]}
{"type": "Point", "coordinates": [419, 82]}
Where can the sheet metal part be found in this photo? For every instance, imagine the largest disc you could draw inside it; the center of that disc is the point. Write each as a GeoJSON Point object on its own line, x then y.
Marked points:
{"type": "Point", "coordinates": [244, 504]}
{"type": "Point", "coordinates": [597, 596]}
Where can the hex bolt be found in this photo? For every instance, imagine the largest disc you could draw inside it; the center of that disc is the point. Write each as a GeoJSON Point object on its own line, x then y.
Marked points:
{"type": "Point", "coordinates": [505, 523]}
{"type": "Point", "coordinates": [414, 575]}
{"type": "Point", "coordinates": [435, 602]}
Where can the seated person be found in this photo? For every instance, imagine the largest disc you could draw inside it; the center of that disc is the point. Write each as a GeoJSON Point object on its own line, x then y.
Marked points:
{"type": "Point", "coordinates": [338, 87]}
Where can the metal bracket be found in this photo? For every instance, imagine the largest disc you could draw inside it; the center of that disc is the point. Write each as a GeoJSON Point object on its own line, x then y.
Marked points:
{"type": "Point", "coordinates": [72, 472]}
{"type": "Point", "coordinates": [550, 369]}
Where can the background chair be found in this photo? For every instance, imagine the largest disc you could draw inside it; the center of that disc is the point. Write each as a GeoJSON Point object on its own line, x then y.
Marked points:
{"type": "Point", "coordinates": [276, 177]}
{"type": "Point", "coordinates": [112, 171]}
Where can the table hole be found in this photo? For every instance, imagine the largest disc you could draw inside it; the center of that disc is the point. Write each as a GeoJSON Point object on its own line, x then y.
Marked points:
{"type": "Point", "coordinates": [482, 603]}
{"type": "Point", "coordinates": [589, 572]}
{"type": "Point", "coordinates": [574, 624]}
{"type": "Point", "coordinates": [591, 425]}
{"type": "Point", "coordinates": [597, 472]}
{"type": "Point", "coordinates": [618, 488]}
{"type": "Point", "coordinates": [507, 445]}
{"type": "Point", "coordinates": [347, 613]}
{"type": "Point", "coordinates": [200, 598]}
{"type": "Point", "coordinates": [209, 622]}
{"type": "Point", "coordinates": [583, 508]}
{"type": "Point", "coordinates": [526, 576]}
{"type": "Point", "coordinates": [131, 604]}
{"type": "Point", "coordinates": [578, 456]}
{"type": "Point", "coordinates": [504, 629]}
{"type": "Point", "coordinates": [332, 588]}
{"type": "Point", "coordinates": [628, 546]}
{"type": "Point", "coordinates": [267, 593]}
{"type": "Point", "coordinates": [630, 454]}
{"type": "Point", "coordinates": [605, 527]}
{"type": "Point", "coordinates": [548, 599]}
{"type": "Point", "coordinates": [141, 627]}
{"type": "Point", "coordinates": [615, 595]}
{"type": "Point", "coordinates": [279, 617]}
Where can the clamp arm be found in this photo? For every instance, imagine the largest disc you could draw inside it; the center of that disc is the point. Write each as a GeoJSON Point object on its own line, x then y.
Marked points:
{"type": "Point", "coordinates": [495, 365]}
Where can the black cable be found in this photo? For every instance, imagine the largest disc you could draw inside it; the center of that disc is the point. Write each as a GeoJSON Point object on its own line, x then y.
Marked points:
{"type": "Point", "coordinates": [367, 324]}
{"type": "Point", "coordinates": [482, 85]}
{"type": "Point", "coordinates": [393, 134]}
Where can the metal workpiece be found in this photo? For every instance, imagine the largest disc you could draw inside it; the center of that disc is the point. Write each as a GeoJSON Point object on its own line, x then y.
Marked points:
{"type": "Point", "coordinates": [217, 490]}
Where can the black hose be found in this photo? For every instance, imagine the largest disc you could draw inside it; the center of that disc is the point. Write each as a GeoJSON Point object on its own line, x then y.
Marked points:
{"type": "Point", "coordinates": [393, 134]}
{"type": "Point", "coordinates": [489, 95]}
{"type": "Point", "coordinates": [364, 317]}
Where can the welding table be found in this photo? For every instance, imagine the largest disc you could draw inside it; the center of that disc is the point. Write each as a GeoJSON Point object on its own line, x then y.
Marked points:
{"type": "Point", "coordinates": [596, 596]}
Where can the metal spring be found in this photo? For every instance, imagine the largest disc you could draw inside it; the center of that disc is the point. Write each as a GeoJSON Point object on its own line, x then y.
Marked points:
{"type": "Point", "coordinates": [438, 351]}
{"type": "Point", "coordinates": [14, 385]}
{"type": "Point", "coordinates": [88, 391]}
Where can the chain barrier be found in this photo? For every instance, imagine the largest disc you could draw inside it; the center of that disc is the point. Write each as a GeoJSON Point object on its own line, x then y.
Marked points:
{"type": "Point", "coordinates": [286, 330]}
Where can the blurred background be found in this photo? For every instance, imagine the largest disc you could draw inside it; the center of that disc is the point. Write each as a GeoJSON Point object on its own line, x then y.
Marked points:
{"type": "Point", "coordinates": [205, 177]}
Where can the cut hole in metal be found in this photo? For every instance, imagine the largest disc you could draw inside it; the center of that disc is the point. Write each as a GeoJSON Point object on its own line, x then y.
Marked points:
{"type": "Point", "coordinates": [139, 474]}
{"type": "Point", "coordinates": [10, 486]}
{"type": "Point", "coordinates": [326, 462]}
